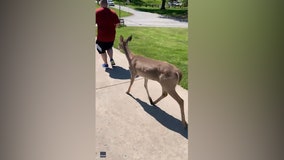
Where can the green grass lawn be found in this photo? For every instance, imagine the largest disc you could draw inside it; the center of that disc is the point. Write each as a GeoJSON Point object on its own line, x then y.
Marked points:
{"type": "Point", "coordinates": [167, 44]}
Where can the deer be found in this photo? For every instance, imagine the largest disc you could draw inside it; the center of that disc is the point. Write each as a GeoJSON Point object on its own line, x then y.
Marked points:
{"type": "Point", "coordinates": [163, 72]}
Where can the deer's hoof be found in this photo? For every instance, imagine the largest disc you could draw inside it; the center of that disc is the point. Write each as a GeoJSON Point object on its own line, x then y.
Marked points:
{"type": "Point", "coordinates": [185, 125]}
{"type": "Point", "coordinates": [151, 102]}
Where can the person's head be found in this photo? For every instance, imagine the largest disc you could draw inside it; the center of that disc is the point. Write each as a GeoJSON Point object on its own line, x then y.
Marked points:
{"type": "Point", "coordinates": [103, 3]}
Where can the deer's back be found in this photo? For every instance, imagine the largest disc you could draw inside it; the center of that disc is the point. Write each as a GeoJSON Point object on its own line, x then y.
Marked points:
{"type": "Point", "coordinates": [155, 69]}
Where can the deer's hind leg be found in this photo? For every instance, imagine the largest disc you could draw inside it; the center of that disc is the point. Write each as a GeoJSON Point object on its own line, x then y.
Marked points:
{"type": "Point", "coordinates": [164, 94]}
{"type": "Point", "coordinates": [180, 101]}
{"type": "Point", "coordinates": [165, 87]}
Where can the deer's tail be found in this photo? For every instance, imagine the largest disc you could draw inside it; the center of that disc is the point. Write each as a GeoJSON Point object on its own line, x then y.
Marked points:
{"type": "Point", "coordinates": [179, 75]}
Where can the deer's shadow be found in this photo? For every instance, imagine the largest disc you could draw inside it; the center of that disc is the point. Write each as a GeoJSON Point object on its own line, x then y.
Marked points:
{"type": "Point", "coordinates": [118, 72]}
{"type": "Point", "coordinates": [163, 117]}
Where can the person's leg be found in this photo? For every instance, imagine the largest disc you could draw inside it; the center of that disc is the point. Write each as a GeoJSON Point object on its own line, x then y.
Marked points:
{"type": "Point", "coordinates": [101, 49]}
{"type": "Point", "coordinates": [110, 54]}
{"type": "Point", "coordinates": [104, 57]}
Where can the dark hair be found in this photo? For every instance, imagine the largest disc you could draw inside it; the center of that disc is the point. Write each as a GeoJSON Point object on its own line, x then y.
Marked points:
{"type": "Point", "coordinates": [103, 2]}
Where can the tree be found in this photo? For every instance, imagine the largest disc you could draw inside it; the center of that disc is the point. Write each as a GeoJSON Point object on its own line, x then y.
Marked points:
{"type": "Point", "coordinates": [163, 5]}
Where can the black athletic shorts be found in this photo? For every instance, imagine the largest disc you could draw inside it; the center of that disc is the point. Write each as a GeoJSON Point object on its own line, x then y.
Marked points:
{"type": "Point", "coordinates": [103, 46]}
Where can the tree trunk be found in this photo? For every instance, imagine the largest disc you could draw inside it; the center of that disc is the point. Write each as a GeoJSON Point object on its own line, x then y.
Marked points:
{"type": "Point", "coordinates": [163, 5]}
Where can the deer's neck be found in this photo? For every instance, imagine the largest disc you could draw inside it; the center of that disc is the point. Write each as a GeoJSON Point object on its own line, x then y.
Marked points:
{"type": "Point", "coordinates": [128, 54]}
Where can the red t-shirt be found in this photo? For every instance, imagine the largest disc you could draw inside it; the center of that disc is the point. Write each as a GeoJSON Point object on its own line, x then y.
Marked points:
{"type": "Point", "coordinates": [106, 20]}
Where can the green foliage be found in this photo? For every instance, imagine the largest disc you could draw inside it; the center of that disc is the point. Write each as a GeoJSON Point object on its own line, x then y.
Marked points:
{"type": "Point", "coordinates": [153, 1]}
{"type": "Point", "coordinates": [167, 44]}
{"type": "Point", "coordinates": [137, 2]}
{"type": "Point", "coordinates": [185, 3]}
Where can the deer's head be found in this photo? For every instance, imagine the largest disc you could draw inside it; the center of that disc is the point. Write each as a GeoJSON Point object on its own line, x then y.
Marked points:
{"type": "Point", "coordinates": [124, 43]}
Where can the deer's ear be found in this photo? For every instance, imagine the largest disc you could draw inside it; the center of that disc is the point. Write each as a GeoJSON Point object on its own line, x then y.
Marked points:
{"type": "Point", "coordinates": [121, 38]}
{"type": "Point", "coordinates": [129, 38]}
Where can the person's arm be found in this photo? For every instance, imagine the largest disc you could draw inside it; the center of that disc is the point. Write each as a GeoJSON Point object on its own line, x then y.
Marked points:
{"type": "Point", "coordinates": [117, 21]}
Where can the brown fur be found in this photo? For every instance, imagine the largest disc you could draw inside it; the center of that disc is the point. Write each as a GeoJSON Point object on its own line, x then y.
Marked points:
{"type": "Point", "coordinates": [163, 72]}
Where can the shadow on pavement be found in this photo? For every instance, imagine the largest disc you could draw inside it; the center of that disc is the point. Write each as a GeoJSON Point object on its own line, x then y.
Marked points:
{"type": "Point", "coordinates": [118, 72]}
{"type": "Point", "coordinates": [164, 118]}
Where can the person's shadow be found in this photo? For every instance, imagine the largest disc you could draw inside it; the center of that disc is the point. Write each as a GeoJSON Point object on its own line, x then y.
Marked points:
{"type": "Point", "coordinates": [118, 72]}
{"type": "Point", "coordinates": [164, 118]}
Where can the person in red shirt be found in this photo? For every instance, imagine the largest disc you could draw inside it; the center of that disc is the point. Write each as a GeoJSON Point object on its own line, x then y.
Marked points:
{"type": "Point", "coordinates": [107, 21]}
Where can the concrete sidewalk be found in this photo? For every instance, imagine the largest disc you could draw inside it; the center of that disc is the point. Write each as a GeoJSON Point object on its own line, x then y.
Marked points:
{"type": "Point", "coordinates": [130, 128]}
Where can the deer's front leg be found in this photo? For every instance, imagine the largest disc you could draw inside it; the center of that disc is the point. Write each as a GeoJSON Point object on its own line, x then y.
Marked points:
{"type": "Point", "coordinates": [133, 75]}
{"type": "Point", "coordinates": [131, 82]}
{"type": "Point", "coordinates": [146, 87]}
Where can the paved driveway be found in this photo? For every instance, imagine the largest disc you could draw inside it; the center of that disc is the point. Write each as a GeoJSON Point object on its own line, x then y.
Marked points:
{"type": "Point", "coordinates": [149, 19]}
